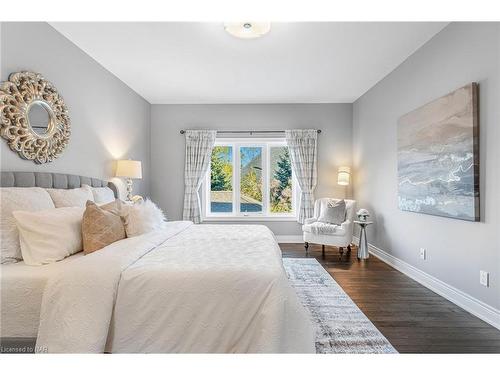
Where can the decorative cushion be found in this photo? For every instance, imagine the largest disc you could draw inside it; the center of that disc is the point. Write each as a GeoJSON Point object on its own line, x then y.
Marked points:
{"type": "Point", "coordinates": [49, 235]}
{"type": "Point", "coordinates": [102, 195]}
{"type": "Point", "coordinates": [143, 217]}
{"type": "Point", "coordinates": [12, 199]}
{"type": "Point", "coordinates": [332, 212]}
{"type": "Point", "coordinates": [101, 226]}
{"type": "Point", "coordinates": [71, 197]}
{"type": "Point", "coordinates": [324, 229]}
{"type": "Point", "coordinates": [118, 207]}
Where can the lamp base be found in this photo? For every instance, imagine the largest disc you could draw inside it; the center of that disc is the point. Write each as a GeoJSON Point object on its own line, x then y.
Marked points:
{"type": "Point", "coordinates": [129, 189]}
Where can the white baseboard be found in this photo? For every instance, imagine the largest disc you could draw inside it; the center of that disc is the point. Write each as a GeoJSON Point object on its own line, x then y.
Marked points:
{"type": "Point", "coordinates": [480, 309]}
{"type": "Point", "coordinates": [290, 239]}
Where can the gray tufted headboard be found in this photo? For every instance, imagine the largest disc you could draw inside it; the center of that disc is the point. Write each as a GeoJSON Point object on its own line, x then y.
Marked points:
{"type": "Point", "coordinates": [51, 180]}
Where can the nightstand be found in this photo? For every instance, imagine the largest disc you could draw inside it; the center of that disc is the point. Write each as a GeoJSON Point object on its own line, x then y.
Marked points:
{"type": "Point", "coordinates": [363, 241]}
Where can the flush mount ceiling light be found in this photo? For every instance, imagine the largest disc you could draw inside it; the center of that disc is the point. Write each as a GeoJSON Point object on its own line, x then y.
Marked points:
{"type": "Point", "coordinates": [247, 30]}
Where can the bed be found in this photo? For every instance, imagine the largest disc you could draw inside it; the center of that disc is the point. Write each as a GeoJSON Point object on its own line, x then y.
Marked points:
{"type": "Point", "coordinates": [185, 289]}
{"type": "Point", "coordinates": [21, 296]}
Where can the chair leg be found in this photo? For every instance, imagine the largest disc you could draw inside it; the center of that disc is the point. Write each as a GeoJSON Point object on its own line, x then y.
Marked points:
{"type": "Point", "coordinates": [323, 249]}
{"type": "Point", "coordinates": [306, 245]}
{"type": "Point", "coordinates": [341, 251]}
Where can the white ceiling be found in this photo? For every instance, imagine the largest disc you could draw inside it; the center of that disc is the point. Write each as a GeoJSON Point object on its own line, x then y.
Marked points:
{"type": "Point", "coordinates": [311, 62]}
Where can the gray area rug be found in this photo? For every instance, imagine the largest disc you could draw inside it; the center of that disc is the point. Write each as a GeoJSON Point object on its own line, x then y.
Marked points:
{"type": "Point", "coordinates": [340, 325]}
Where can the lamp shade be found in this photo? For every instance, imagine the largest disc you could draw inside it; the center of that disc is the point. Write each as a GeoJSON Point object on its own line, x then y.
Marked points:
{"type": "Point", "coordinates": [344, 176]}
{"type": "Point", "coordinates": [129, 169]}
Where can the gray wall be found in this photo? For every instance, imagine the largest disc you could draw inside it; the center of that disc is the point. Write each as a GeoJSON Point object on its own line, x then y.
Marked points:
{"type": "Point", "coordinates": [167, 145]}
{"type": "Point", "coordinates": [456, 250]}
{"type": "Point", "coordinates": [109, 121]}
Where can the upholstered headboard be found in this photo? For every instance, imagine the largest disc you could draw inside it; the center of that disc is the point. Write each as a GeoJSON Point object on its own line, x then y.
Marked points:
{"type": "Point", "coordinates": [51, 180]}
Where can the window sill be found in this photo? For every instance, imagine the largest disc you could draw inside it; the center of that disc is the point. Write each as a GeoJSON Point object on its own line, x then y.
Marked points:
{"type": "Point", "coordinates": [249, 218]}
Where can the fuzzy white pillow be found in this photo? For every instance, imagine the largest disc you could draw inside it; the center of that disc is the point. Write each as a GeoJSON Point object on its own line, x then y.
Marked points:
{"type": "Point", "coordinates": [143, 217]}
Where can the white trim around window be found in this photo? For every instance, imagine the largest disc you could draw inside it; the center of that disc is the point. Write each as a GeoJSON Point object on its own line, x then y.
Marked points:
{"type": "Point", "coordinates": [236, 215]}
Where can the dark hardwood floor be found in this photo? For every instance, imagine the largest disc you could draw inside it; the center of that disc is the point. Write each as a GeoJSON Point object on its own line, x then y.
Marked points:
{"type": "Point", "coordinates": [413, 318]}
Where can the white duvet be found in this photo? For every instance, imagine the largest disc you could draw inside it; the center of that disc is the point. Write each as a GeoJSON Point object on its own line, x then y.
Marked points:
{"type": "Point", "coordinates": [186, 289]}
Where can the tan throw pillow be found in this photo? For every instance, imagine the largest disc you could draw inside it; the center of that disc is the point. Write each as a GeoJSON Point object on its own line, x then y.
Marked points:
{"type": "Point", "coordinates": [117, 207]}
{"type": "Point", "coordinates": [100, 227]}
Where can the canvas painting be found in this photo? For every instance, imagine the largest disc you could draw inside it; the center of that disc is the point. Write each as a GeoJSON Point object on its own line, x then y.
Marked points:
{"type": "Point", "coordinates": [438, 157]}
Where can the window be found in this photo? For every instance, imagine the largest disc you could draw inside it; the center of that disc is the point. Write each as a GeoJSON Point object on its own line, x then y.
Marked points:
{"type": "Point", "coordinates": [251, 179]}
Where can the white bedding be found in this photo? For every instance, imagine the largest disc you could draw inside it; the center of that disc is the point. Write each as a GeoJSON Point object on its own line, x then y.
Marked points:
{"type": "Point", "coordinates": [21, 296]}
{"type": "Point", "coordinates": [78, 301]}
{"type": "Point", "coordinates": [188, 288]}
{"type": "Point", "coordinates": [210, 289]}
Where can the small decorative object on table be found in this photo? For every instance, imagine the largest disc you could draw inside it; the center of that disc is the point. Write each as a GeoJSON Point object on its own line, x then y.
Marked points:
{"type": "Point", "coordinates": [363, 214]}
{"type": "Point", "coordinates": [137, 199]}
{"type": "Point", "coordinates": [363, 241]}
{"type": "Point", "coordinates": [129, 169]}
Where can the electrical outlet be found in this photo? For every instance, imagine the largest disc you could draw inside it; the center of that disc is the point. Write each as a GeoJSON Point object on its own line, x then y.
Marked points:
{"type": "Point", "coordinates": [422, 253]}
{"type": "Point", "coordinates": [484, 278]}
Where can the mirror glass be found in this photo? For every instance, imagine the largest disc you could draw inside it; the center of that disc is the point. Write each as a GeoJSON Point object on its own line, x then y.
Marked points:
{"type": "Point", "coordinates": [39, 118]}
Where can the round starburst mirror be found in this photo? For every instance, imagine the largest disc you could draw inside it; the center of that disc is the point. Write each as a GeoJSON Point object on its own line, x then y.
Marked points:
{"type": "Point", "coordinates": [33, 117]}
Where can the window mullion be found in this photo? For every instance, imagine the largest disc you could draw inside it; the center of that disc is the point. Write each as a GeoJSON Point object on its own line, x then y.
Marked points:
{"type": "Point", "coordinates": [207, 188]}
{"type": "Point", "coordinates": [236, 174]}
{"type": "Point", "coordinates": [265, 176]}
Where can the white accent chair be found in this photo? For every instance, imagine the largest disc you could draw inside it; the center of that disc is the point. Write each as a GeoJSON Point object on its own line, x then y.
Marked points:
{"type": "Point", "coordinates": [341, 237]}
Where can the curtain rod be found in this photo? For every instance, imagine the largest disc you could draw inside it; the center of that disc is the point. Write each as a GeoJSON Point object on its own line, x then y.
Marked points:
{"type": "Point", "coordinates": [248, 131]}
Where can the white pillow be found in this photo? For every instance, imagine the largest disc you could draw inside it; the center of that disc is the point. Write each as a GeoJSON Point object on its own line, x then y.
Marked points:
{"type": "Point", "coordinates": [333, 212]}
{"type": "Point", "coordinates": [142, 218]}
{"type": "Point", "coordinates": [71, 197]}
{"type": "Point", "coordinates": [102, 195]}
{"type": "Point", "coordinates": [12, 199]}
{"type": "Point", "coordinates": [49, 235]}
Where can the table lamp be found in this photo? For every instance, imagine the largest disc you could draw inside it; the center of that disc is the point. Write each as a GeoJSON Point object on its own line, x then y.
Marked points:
{"type": "Point", "coordinates": [129, 169]}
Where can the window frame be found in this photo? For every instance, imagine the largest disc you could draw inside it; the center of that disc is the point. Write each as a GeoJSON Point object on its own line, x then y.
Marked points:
{"type": "Point", "coordinates": [236, 214]}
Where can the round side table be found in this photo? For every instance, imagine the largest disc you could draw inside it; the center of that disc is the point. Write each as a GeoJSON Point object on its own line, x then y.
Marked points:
{"type": "Point", "coordinates": [363, 241]}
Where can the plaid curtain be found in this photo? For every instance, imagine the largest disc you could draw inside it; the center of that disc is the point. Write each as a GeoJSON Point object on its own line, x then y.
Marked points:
{"type": "Point", "coordinates": [199, 145]}
{"type": "Point", "coordinates": [302, 144]}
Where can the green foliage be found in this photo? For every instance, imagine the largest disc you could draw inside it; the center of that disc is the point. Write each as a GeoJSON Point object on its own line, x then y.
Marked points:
{"type": "Point", "coordinates": [251, 185]}
{"type": "Point", "coordinates": [221, 169]}
{"type": "Point", "coordinates": [281, 185]}
{"type": "Point", "coordinates": [284, 172]}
